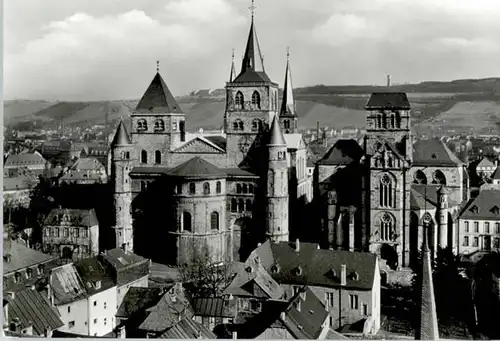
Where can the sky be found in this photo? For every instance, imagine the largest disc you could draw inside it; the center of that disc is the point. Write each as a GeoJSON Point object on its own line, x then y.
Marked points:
{"type": "Point", "coordinates": [107, 49]}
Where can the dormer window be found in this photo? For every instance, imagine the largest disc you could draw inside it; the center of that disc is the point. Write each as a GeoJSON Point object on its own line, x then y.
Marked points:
{"type": "Point", "coordinates": [495, 210]}
{"type": "Point", "coordinates": [275, 269]}
{"type": "Point", "coordinates": [29, 273]}
{"type": "Point", "coordinates": [98, 285]}
{"type": "Point", "coordinates": [159, 125]}
{"type": "Point", "coordinates": [40, 269]}
{"type": "Point", "coordinates": [17, 277]}
{"type": "Point", "coordinates": [298, 271]}
{"type": "Point", "coordinates": [354, 276]}
{"type": "Point", "coordinates": [142, 125]}
{"type": "Point", "coordinates": [474, 209]}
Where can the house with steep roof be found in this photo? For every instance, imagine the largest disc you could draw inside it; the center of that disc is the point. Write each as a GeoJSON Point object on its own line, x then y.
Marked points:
{"type": "Point", "coordinates": [479, 223]}
{"type": "Point", "coordinates": [71, 233]}
{"type": "Point", "coordinates": [347, 282]}
{"type": "Point", "coordinates": [486, 167]}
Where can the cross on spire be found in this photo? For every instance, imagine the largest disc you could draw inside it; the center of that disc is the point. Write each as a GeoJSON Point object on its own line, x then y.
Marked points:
{"type": "Point", "coordinates": [252, 8]}
{"type": "Point", "coordinates": [157, 66]}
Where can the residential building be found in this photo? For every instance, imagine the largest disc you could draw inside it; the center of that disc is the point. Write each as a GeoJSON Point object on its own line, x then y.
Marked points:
{"type": "Point", "coordinates": [486, 167]}
{"type": "Point", "coordinates": [90, 166]}
{"type": "Point", "coordinates": [16, 190]}
{"type": "Point", "coordinates": [479, 223]}
{"type": "Point", "coordinates": [34, 162]}
{"type": "Point", "coordinates": [71, 233]}
{"type": "Point", "coordinates": [214, 311]}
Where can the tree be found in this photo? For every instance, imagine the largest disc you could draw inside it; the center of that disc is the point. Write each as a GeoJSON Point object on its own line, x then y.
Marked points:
{"type": "Point", "coordinates": [42, 200]}
{"type": "Point", "coordinates": [203, 278]}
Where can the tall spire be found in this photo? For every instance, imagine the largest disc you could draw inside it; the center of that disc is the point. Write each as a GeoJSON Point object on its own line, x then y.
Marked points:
{"type": "Point", "coordinates": [276, 137]}
{"type": "Point", "coordinates": [428, 326]}
{"type": "Point", "coordinates": [253, 57]}
{"type": "Point", "coordinates": [232, 75]}
{"type": "Point", "coordinates": [121, 136]}
{"type": "Point", "coordinates": [288, 103]}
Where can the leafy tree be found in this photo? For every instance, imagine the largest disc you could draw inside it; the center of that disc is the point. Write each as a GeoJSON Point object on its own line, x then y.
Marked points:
{"type": "Point", "coordinates": [43, 198]}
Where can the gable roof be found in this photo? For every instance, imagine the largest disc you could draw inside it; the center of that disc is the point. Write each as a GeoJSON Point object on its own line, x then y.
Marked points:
{"type": "Point", "coordinates": [294, 140]}
{"type": "Point", "coordinates": [22, 257]}
{"type": "Point", "coordinates": [121, 137]}
{"type": "Point", "coordinates": [197, 168]}
{"type": "Point", "coordinates": [388, 100]}
{"type": "Point", "coordinates": [24, 159]}
{"type": "Point", "coordinates": [158, 98]}
{"type": "Point", "coordinates": [485, 202]}
{"type": "Point", "coordinates": [87, 163]}
{"type": "Point", "coordinates": [93, 275]}
{"type": "Point", "coordinates": [32, 308]}
{"type": "Point", "coordinates": [66, 284]}
{"type": "Point", "coordinates": [75, 216]}
{"type": "Point", "coordinates": [188, 329]}
{"type": "Point", "coordinates": [214, 307]}
{"type": "Point", "coordinates": [434, 153]}
{"type": "Point", "coordinates": [343, 152]}
{"type": "Point", "coordinates": [485, 162]}
{"type": "Point", "coordinates": [315, 265]}
{"type": "Point", "coordinates": [138, 299]}
{"type": "Point", "coordinates": [120, 259]}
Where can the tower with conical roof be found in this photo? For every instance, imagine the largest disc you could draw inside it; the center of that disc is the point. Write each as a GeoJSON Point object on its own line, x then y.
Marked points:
{"type": "Point", "coordinates": [252, 101]}
{"type": "Point", "coordinates": [121, 165]}
{"type": "Point", "coordinates": [288, 116]}
{"type": "Point", "coordinates": [427, 324]}
{"type": "Point", "coordinates": [277, 208]}
{"type": "Point", "coordinates": [158, 123]}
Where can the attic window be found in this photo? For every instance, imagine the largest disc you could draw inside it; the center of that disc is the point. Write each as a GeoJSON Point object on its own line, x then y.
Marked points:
{"type": "Point", "coordinates": [275, 269]}
{"type": "Point", "coordinates": [298, 271]}
{"type": "Point", "coordinates": [98, 284]}
{"type": "Point", "coordinates": [354, 276]}
{"type": "Point", "coordinates": [248, 269]}
{"type": "Point", "coordinates": [495, 210]}
{"type": "Point", "coordinates": [434, 156]}
{"type": "Point", "coordinates": [91, 268]}
{"type": "Point", "coordinates": [474, 209]}
{"type": "Point", "coordinates": [89, 285]}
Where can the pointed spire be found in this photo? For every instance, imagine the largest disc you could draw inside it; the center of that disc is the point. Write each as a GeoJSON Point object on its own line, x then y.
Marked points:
{"type": "Point", "coordinates": [121, 136]}
{"type": "Point", "coordinates": [232, 75]}
{"type": "Point", "coordinates": [288, 103]}
{"type": "Point", "coordinates": [276, 137]}
{"type": "Point", "coordinates": [428, 326]}
{"type": "Point", "coordinates": [158, 98]}
{"type": "Point", "coordinates": [253, 57]}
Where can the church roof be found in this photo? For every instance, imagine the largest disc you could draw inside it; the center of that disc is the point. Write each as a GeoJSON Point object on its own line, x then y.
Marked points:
{"type": "Point", "coordinates": [388, 100]}
{"type": "Point", "coordinates": [288, 103]}
{"type": "Point", "coordinates": [343, 152]}
{"type": "Point", "coordinates": [197, 168]}
{"type": "Point", "coordinates": [433, 153]}
{"type": "Point", "coordinates": [158, 98]}
{"type": "Point", "coordinates": [276, 137]}
{"type": "Point", "coordinates": [121, 136]}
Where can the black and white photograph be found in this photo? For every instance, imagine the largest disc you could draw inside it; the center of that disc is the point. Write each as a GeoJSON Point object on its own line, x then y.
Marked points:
{"type": "Point", "coordinates": [251, 169]}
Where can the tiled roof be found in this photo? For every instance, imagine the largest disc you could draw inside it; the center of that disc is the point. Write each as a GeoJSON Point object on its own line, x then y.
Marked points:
{"type": "Point", "coordinates": [315, 265]}
{"type": "Point", "coordinates": [197, 168]}
{"type": "Point", "coordinates": [93, 275]}
{"type": "Point", "coordinates": [24, 159]}
{"type": "Point", "coordinates": [485, 202]}
{"type": "Point", "coordinates": [23, 257]}
{"type": "Point", "coordinates": [433, 153]}
{"type": "Point", "coordinates": [275, 135]}
{"type": "Point", "coordinates": [251, 76]}
{"type": "Point", "coordinates": [214, 307]}
{"type": "Point", "coordinates": [87, 163]}
{"type": "Point", "coordinates": [343, 152]}
{"type": "Point", "coordinates": [138, 299]}
{"type": "Point", "coordinates": [32, 308]}
{"type": "Point", "coordinates": [188, 329]}
{"type": "Point", "coordinates": [219, 141]}
{"type": "Point", "coordinates": [74, 217]}
{"type": "Point", "coordinates": [121, 136]}
{"type": "Point", "coordinates": [120, 259]}
{"type": "Point", "coordinates": [388, 100]}
{"type": "Point", "coordinates": [158, 98]}
{"type": "Point", "coordinates": [66, 284]}
{"type": "Point", "coordinates": [80, 175]}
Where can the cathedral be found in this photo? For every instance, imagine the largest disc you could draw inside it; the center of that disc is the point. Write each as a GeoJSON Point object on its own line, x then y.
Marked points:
{"type": "Point", "coordinates": [177, 197]}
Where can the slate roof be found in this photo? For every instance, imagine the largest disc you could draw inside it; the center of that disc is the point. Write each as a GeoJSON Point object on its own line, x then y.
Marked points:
{"type": "Point", "coordinates": [87, 163]}
{"type": "Point", "coordinates": [485, 202]}
{"type": "Point", "coordinates": [214, 307]}
{"type": "Point", "coordinates": [388, 100]}
{"type": "Point", "coordinates": [188, 329]}
{"type": "Point", "coordinates": [128, 267]}
{"type": "Point", "coordinates": [239, 173]}
{"type": "Point", "coordinates": [316, 265]}
{"type": "Point", "coordinates": [343, 152]}
{"type": "Point", "coordinates": [197, 168]}
{"type": "Point", "coordinates": [24, 159]}
{"type": "Point", "coordinates": [32, 308]}
{"type": "Point", "coordinates": [23, 257]}
{"type": "Point", "coordinates": [93, 273]}
{"type": "Point", "coordinates": [138, 299]}
{"type": "Point", "coordinates": [120, 259]}
{"type": "Point", "coordinates": [219, 141]}
{"type": "Point", "coordinates": [66, 284]}
{"type": "Point", "coordinates": [276, 137]}
{"type": "Point", "coordinates": [76, 216]}
{"type": "Point", "coordinates": [121, 136]}
{"type": "Point", "coordinates": [434, 153]}
{"type": "Point", "coordinates": [251, 76]}
{"type": "Point", "coordinates": [158, 98]}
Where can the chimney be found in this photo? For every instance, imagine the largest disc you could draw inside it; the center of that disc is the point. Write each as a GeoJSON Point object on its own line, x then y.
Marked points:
{"type": "Point", "coordinates": [297, 245]}
{"type": "Point", "coordinates": [47, 332]}
{"type": "Point", "coordinates": [121, 332]}
{"type": "Point", "coordinates": [235, 335]}
{"type": "Point", "coordinates": [343, 275]}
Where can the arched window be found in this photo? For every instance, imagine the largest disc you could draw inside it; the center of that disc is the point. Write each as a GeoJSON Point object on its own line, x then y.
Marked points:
{"type": "Point", "coordinates": [192, 188]}
{"type": "Point", "coordinates": [238, 188]}
{"type": "Point", "coordinates": [439, 178]}
{"type": "Point", "coordinates": [143, 186]}
{"type": "Point", "coordinates": [235, 125]}
{"type": "Point", "coordinates": [419, 178]}
{"type": "Point", "coordinates": [144, 156]}
{"type": "Point", "coordinates": [244, 189]}
{"type": "Point", "coordinates": [186, 221]}
{"type": "Point", "coordinates": [214, 220]}
{"type": "Point", "coordinates": [234, 205]}
{"type": "Point", "coordinates": [248, 205]}
{"type": "Point", "coordinates": [256, 125]}
{"type": "Point", "coordinates": [256, 99]}
{"type": "Point", "coordinates": [241, 205]}
{"type": "Point", "coordinates": [218, 187]}
{"type": "Point", "coordinates": [159, 125]}
{"type": "Point", "coordinates": [238, 125]}
{"type": "Point", "coordinates": [157, 157]}
{"type": "Point", "coordinates": [387, 227]}
{"type": "Point", "coordinates": [386, 195]}
{"type": "Point", "coordinates": [250, 188]}
{"type": "Point", "coordinates": [17, 277]}
{"type": "Point", "coordinates": [142, 125]}
{"type": "Point", "coordinates": [239, 100]}
{"type": "Point", "coordinates": [206, 188]}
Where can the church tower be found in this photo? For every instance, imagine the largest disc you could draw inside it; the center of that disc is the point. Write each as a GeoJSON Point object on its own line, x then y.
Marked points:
{"type": "Point", "coordinates": [277, 208]}
{"type": "Point", "coordinates": [121, 165]}
{"type": "Point", "coordinates": [288, 116]}
{"type": "Point", "coordinates": [251, 103]}
{"type": "Point", "coordinates": [157, 124]}
{"type": "Point", "coordinates": [386, 198]}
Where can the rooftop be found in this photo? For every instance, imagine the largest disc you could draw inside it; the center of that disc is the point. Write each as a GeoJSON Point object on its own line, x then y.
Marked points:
{"type": "Point", "coordinates": [188, 329]}
{"type": "Point", "coordinates": [22, 257]}
{"type": "Point", "coordinates": [87, 163]}
{"type": "Point", "coordinates": [388, 100]}
{"type": "Point", "coordinates": [486, 206]}
{"type": "Point", "coordinates": [67, 285]}
{"type": "Point", "coordinates": [214, 307]}
{"type": "Point", "coordinates": [24, 159]}
{"type": "Point", "coordinates": [433, 153]}
{"type": "Point", "coordinates": [72, 217]}
{"type": "Point", "coordinates": [158, 98]}
{"type": "Point", "coordinates": [121, 136]}
{"type": "Point", "coordinates": [93, 275]}
{"type": "Point", "coordinates": [343, 152]}
{"type": "Point", "coordinates": [120, 259]}
{"type": "Point", "coordinates": [139, 299]}
{"type": "Point", "coordinates": [197, 168]}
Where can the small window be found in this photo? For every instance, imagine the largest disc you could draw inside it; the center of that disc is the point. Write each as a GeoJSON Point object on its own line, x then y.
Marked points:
{"type": "Point", "coordinates": [497, 227]}
{"type": "Point", "coordinates": [85, 232]}
{"type": "Point", "coordinates": [353, 301]}
{"type": "Point", "coordinates": [244, 189]}
{"type": "Point", "coordinates": [234, 205]}
{"type": "Point", "coordinates": [192, 188]}
{"type": "Point", "coordinates": [476, 241]}
{"type": "Point", "coordinates": [47, 232]}
{"type": "Point", "coordinates": [29, 273]}
{"type": "Point", "coordinates": [466, 226]}
{"type": "Point", "coordinates": [157, 157]}
{"type": "Point", "coordinates": [144, 156]}
{"type": "Point", "coordinates": [105, 321]}
{"type": "Point", "coordinates": [104, 305]}
{"type": "Point", "coordinates": [174, 125]}
{"type": "Point", "coordinates": [71, 324]}
{"type": "Point", "coordinates": [486, 227]}
{"type": "Point", "coordinates": [206, 188]}
{"type": "Point", "coordinates": [40, 269]}
{"type": "Point", "coordinates": [476, 226]}
{"type": "Point", "coordinates": [239, 100]}
{"type": "Point", "coordinates": [95, 321]}
{"type": "Point", "coordinates": [17, 277]}
{"type": "Point", "coordinates": [238, 188]}
{"type": "Point", "coordinates": [248, 205]}
{"type": "Point", "coordinates": [218, 187]}
{"type": "Point", "coordinates": [95, 303]}
{"type": "Point", "coordinates": [179, 189]}
{"type": "Point", "coordinates": [143, 186]}
{"type": "Point", "coordinates": [186, 221]}
{"type": "Point", "coordinates": [56, 232]}
{"type": "Point", "coordinates": [241, 205]}
{"type": "Point", "coordinates": [69, 309]}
